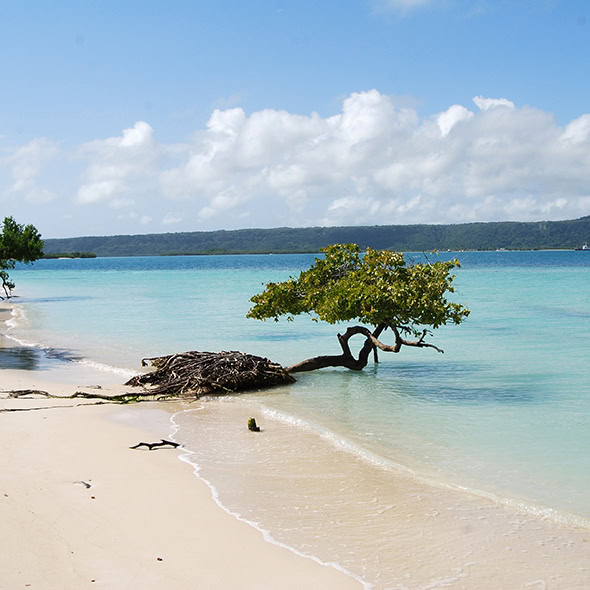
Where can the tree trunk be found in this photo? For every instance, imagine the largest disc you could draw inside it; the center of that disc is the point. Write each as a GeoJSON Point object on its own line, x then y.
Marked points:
{"type": "Point", "coordinates": [372, 343]}
{"type": "Point", "coordinates": [346, 359]}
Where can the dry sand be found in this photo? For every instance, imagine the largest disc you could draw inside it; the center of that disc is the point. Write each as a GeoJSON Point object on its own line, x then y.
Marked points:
{"type": "Point", "coordinates": [145, 521]}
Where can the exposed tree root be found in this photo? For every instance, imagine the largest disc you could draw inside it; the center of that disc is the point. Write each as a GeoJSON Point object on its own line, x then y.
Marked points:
{"type": "Point", "coordinates": [193, 374]}
{"type": "Point", "coordinates": [97, 403]}
{"type": "Point", "coordinates": [187, 375]}
{"type": "Point", "coordinates": [121, 398]}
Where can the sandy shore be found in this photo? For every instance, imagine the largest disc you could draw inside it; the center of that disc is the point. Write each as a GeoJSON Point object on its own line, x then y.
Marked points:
{"type": "Point", "coordinates": [145, 521]}
{"type": "Point", "coordinates": [79, 509]}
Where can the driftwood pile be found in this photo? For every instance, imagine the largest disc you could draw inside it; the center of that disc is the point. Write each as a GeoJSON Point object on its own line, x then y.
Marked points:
{"type": "Point", "coordinates": [193, 374]}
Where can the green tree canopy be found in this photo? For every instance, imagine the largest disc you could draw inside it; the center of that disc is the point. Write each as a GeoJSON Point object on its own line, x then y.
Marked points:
{"type": "Point", "coordinates": [378, 289]}
{"type": "Point", "coordinates": [18, 243]}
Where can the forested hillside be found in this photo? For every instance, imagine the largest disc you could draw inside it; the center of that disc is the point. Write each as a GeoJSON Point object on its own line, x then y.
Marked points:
{"type": "Point", "coordinates": [467, 236]}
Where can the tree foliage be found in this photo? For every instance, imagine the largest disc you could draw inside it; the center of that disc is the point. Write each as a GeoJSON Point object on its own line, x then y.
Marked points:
{"type": "Point", "coordinates": [378, 289]}
{"type": "Point", "coordinates": [18, 243]}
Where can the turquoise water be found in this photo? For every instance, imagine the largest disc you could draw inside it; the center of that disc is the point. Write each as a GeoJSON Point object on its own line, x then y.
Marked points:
{"type": "Point", "coordinates": [505, 411]}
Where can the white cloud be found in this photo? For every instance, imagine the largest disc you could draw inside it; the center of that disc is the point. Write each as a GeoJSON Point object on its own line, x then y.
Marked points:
{"type": "Point", "coordinates": [98, 191]}
{"type": "Point", "coordinates": [342, 209]}
{"type": "Point", "coordinates": [491, 103]}
{"type": "Point", "coordinates": [222, 202]}
{"type": "Point", "coordinates": [119, 166]}
{"type": "Point", "coordinates": [130, 215]}
{"type": "Point", "coordinates": [374, 162]}
{"type": "Point", "coordinates": [171, 218]}
{"type": "Point", "coordinates": [26, 165]}
{"type": "Point", "coordinates": [121, 203]}
{"type": "Point", "coordinates": [138, 135]}
{"type": "Point", "coordinates": [578, 131]}
{"type": "Point", "coordinates": [449, 118]}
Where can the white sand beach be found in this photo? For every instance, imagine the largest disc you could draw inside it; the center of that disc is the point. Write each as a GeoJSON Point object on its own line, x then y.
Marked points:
{"type": "Point", "coordinates": [145, 521]}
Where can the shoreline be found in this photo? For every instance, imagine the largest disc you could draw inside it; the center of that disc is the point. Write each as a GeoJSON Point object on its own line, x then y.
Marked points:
{"type": "Point", "coordinates": [400, 532]}
{"type": "Point", "coordinates": [421, 536]}
{"type": "Point", "coordinates": [310, 252]}
{"type": "Point", "coordinates": [145, 521]}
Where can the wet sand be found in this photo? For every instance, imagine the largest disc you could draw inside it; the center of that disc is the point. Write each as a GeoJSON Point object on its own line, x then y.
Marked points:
{"type": "Point", "coordinates": [394, 529]}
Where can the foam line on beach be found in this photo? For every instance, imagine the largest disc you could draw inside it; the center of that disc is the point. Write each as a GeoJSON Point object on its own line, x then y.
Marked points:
{"type": "Point", "coordinates": [187, 457]}
{"type": "Point", "coordinates": [372, 459]}
{"type": "Point", "coordinates": [18, 316]}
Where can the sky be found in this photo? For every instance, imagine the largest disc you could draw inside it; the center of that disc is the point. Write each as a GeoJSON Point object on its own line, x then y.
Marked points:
{"type": "Point", "coordinates": [133, 117]}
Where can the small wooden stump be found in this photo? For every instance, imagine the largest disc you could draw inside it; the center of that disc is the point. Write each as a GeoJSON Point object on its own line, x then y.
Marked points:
{"type": "Point", "coordinates": [252, 426]}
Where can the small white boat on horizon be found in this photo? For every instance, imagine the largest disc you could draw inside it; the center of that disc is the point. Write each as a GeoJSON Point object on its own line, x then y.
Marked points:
{"type": "Point", "coordinates": [584, 246]}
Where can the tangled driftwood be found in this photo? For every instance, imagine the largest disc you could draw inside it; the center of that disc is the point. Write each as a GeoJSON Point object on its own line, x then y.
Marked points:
{"type": "Point", "coordinates": [194, 373]}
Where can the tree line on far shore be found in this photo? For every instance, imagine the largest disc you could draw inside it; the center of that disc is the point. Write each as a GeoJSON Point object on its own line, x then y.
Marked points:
{"type": "Point", "coordinates": [507, 235]}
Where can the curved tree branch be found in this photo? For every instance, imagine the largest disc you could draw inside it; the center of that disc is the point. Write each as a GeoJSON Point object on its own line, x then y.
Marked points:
{"type": "Point", "coordinates": [372, 343]}
{"type": "Point", "coordinates": [419, 343]}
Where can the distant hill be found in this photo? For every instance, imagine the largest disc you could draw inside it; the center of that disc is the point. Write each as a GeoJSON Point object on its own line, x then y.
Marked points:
{"type": "Point", "coordinates": [511, 235]}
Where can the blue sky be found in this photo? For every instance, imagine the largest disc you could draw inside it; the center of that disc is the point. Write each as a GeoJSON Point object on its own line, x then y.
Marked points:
{"type": "Point", "coordinates": [138, 117]}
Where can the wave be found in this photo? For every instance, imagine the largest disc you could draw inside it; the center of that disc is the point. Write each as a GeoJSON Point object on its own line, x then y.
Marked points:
{"type": "Point", "coordinates": [19, 318]}
{"type": "Point", "coordinates": [188, 457]}
{"type": "Point", "coordinates": [106, 368]}
{"type": "Point", "coordinates": [370, 458]}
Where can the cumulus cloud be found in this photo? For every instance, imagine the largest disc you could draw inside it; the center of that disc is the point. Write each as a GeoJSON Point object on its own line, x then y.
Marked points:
{"type": "Point", "coordinates": [578, 131]}
{"type": "Point", "coordinates": [26, 165]}
{"type": "Point", "coordinates": [118, 166]}
{"type": "Point", "coordinates": [449, 118]}
{"type": "Point", "coordinates": [374, 162]}
{"type": "Point", "coordinates": [171, 218]}
{"type": "Point", "coordinates": [224, 201]}
{"type": "Point", "coordinates": [491, 103]}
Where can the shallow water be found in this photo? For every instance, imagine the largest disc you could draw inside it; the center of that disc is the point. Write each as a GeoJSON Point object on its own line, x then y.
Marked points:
{"type": "Point", "coordinates": [307, 489]}
{"type": "Point", "coordinates": [505, 412]}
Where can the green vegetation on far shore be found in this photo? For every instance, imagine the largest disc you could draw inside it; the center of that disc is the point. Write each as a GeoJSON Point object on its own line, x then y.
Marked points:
{"type": "Point", "coordinates": [68, 254]}
{"type": "Point", "coordinates": [509, 235]}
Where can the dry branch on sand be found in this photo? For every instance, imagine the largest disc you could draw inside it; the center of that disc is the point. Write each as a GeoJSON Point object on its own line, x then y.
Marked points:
{"type": "Point", "coordinates": [194, 373]}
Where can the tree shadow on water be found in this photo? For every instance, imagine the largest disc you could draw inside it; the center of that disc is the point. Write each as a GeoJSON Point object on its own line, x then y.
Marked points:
{"type": "Point", "coordinates": [20, 357]}
{"type": "Point", "coordinates": [462, 383]}
{"type": "Point", "coordinates": [26, 358]}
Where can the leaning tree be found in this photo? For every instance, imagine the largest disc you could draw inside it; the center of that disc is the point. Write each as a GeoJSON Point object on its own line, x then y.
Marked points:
{"type": "Point", "coordinates": [376, 289]}
{"type": "Point", "coordinates": [18, 243]}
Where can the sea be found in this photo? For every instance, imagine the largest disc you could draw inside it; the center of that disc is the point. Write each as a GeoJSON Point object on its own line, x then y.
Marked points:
{"type": "Point", "coordinates": [501, 418]}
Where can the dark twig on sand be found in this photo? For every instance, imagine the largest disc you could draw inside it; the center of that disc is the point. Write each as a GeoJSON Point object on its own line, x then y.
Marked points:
{"type": "Point", "coordinates": [152, 446]}
{"type": "Point", "coordinates": [84, 483]}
